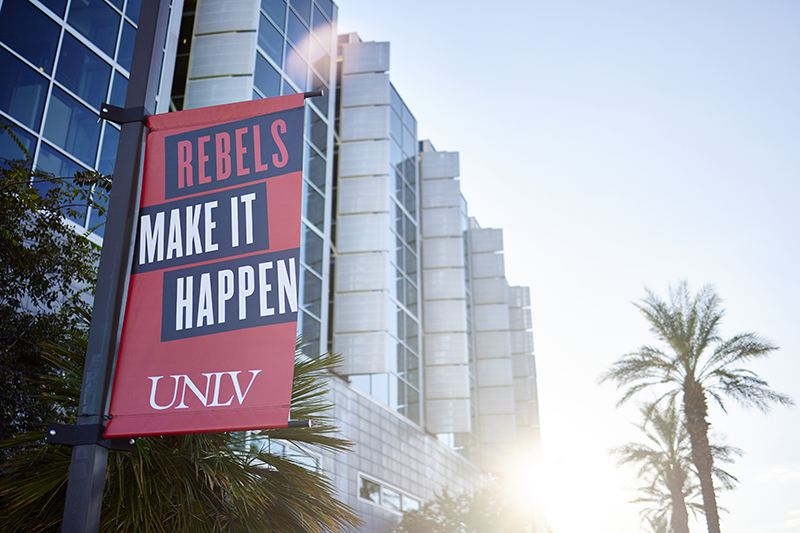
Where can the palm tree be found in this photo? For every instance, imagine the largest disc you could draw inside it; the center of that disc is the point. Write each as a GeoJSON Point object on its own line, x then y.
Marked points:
{"type": "Point", "coordinates": [233, 482]}
{"type": "Point", "coordinates": [697, 364]}
{"type": "Point", "coordinates": [666, 463]}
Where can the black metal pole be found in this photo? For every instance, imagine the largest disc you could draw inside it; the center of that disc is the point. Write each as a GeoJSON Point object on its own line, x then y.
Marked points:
{"type": "Point", "coordinates": [89, 461]}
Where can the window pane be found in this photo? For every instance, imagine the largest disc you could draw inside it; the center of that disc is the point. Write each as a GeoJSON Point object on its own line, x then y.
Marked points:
{"type": "Point", "coordinates": [56, 6]}
{"type": "Point", "coordinates": [52, 161]}
{"type": "Point", "coordinates": [315, 167]}
{"type": "Point", "coordinates": [108, 150]}
{"type": "Point", "coordinates": [119, 90]}
{"type": "Point", "coordinates": [9, 148]}
{"type": "Point", "coordinates": [320, 60]}
{"type": "Point", "coordinates": [396, 156]}
{"type": "Point", "coordinates": [31, 33]}
{"type": "Point", "coordinates": [396, 126]}
{"type": "Point", "coordinates": [97, 21]}
{"type": "Point", "coordinates": [295, 68]}
{"type": "Point", "coordinates": [133, 10]}
{"type": "Point", "coordinates": [270, 40]}
{"type": "Point", "coordinates": [409, 504]}
{"type": "Point", "coordinates": [312, 250]}
{"type": "Point", "coordinates": [125, 52]}
{"type": "Point", "coordinates": [408, 143]}
{"type": "Point", "coordinates": [297, 33]}
{"type": "Point", "coordinates": [314, 206]}
{"type": "Point", "coordinates": [312, 293]}
{"type": "Point", "coordinates": [394, 100]}
{"type": "Point", "coordinates": [322, 28]}
{"type": "Point", "coordinates": [267, 78]}
{"type": "Point", "coordinates": [317, 130]}
{"type": "Point", "coordinates": [327, 7]}
{"type": "Point", "coordinates": [82, 71]}
{"type": "Point", "coordinates": [310, 334]}
{"type": "Point", "coordinates": [22, 92]}
{"type": "Point", "coordinates": [391, 499]}
{"type": "Point", "coordinates": [370, 491]}
{"type": "Point", "coordinates": [276, 9]}
{"type": "Point", "coordinates": [72, 126]}
{"type": "Point", "coordinates": [303, 7]}
{"type": "Point", "coordinates": [380, 388]}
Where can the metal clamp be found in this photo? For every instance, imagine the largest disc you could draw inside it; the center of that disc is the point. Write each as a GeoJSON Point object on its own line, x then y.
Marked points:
{"type": "Point", "coordinates": [121, 115]}
{"type": "Point", "coordinates": [86, 434]}
{"type": "Point", "coordinates": [314, 94]}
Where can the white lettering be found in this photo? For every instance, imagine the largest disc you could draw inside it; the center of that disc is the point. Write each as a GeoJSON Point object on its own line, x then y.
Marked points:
{"type": "Point", "coordinates": [287, 286]}
{"type": "Point", "coordinates": [235, 376]}
{"type": "Point", "coordinates": [205, 310]}
{"type": "Point", "coordinates": [202, 397]}
{"type": "Point", "coordinates": [151, 239]}
{"type": "Point", "coordinates": [264, 288]}
{"type": "Point", "coordinates": [153, 388]}
{"type": "Point", "coordinates": [247, 287]}
{"type": "Point", "coordinates": [224, 292]}
{"type": "Point", "coordinates": [234, 222]}
{"type": "Point", "coordinates": [193, 230]}
{"type": "Point", "coordinates": [248, 200]}
{"type": "Point", "coordinates": [208, 398]}
{"type": "Point", "coordinates": [210, 225]}
{"type": "Point", "coordinates": [216, 403]}
{"type": "Point", "coordinates": [174, 241]}
{"type": "Point", "coordinates": [183, 303]}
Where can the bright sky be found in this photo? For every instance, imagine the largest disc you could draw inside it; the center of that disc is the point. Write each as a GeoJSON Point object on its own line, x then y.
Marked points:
{"type": "Point", "coordinates": [624, 144]}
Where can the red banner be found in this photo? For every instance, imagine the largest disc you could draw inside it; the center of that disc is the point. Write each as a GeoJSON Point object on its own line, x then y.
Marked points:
{"type": "Point", "coordinates": [208, 338]}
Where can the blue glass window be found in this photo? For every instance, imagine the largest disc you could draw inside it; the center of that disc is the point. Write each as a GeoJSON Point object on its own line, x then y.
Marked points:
{"type": "Point", "coordinates": [9, 148]}
{"type": "Point", "coordinates": [82, 71]}
{"type": "Point", "coordinates": [320, 60]}
{"type": "Point", "coordinates": [322, 29]}
{"type": "Point", "coordinates": [267, 79]}
{"type": "Point", "coordinates": [310, 329]}
{"type": "Point", "coordinates": [97, 21]}
{"type": "Point", "coordinates": [133, 9]}
{"type": "Point", "coordinates": [22, 92]}
{"type": "Point", "coordinates": [303, 7]}
{"type": "Point", "coordinates": [327, 7]}
{"type": "Point", "coordinates": [119, 90]}
{"type": "Point", "coordinates": [395, 101]}
{"type": "Point", "coordinates": [317, 130]}
{"type": "Point", "coordinates": [125, 52]}
{"type": "Point", "coordinates": [287, 89]}
{"type": "Point", "coordinates": [276, 9]}
{"type": "Point", "coordinates": [52, 161]}
{"type": "Point", "coordinates": [295, 68]}
{"type": "Point", "coordinates": [72, 126]}
{"type": "Point", "coordinates": [298, 34]}
{"type": "Point", "coordinates": [312, 292]}
{"type": "Point", "coordinates": [314, 206]}
{"type": "Point", "coordinates": [396, 126]}
{"type": "Point", "coordinates": [270, 40]}
{"type": "Point", "coordinates": [31, 33]}
{"type": "Point", "coordinates": [320, 101]}
{"type": "Point", "coordinates": [56, 6]}
{"type": "Point", "coordinates": [311, 249]}
{"type": "Point", "coordinates": [108, 150]}
{"type": "Point", "coordinates": [315, 167]}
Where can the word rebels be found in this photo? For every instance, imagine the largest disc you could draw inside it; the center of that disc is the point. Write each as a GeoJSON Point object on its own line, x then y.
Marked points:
{"type": "Point", "coordinates": [232, 154]}
{"type": "Point", "coordinates": [194, 157]}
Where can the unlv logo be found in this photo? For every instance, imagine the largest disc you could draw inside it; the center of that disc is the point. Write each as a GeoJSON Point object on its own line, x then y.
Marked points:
{"type": "Point", "coordinates": [216, 384]}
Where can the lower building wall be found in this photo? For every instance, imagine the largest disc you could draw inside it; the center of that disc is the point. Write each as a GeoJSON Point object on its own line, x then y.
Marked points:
{"type": "Point", "coordinates": [392, 451]}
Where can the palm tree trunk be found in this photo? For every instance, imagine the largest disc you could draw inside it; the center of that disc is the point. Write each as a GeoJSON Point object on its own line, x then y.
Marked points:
{"type": "Point", "coordinates": [675, 479]}
{"type": "Point", "coordinates": [695, 409]}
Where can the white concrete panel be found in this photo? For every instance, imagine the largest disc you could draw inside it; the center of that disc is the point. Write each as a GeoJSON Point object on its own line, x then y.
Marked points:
{"type": "Point", "coordinates": [365, 57]}
{"type": "Point", "coordinates": [436, 165]}
{"type": "Point", "coordinates": [443, 382]}
{"type": "Point", "coordinates": [441, 193]}
{"type": "Point", "coordinates": [491, 317]}
{"type": "Point", "coordinates": [492, 344]}
{"type": "Point", "coordinates": [489, 291]}
{"type": "Point", "coordinates": [488, 266]}
{"type": "Point", "coordinates": [217, 16]}
{"type": "Point", "coordinates": [360, 312]}
{"type": "Point", "coordinates": [362, 123]}
{"type": "Point", "coordinates": [365, 89]}
{"type": "Point", "coordinates": [441, 222]}
{"type": "Point", "coordinates": [223, 54]}
{"type": "Point", "coordinates": [444, 316]}
{"type": "Point", "coordinates": [521, 342]}
{"type": "Point", "coordinates": [448, 416]}
{"type": "Point", "coordinates": [364, 158]}
{"type": "Point", "coordinates": [363, 233]}
{"type": "Point", "coordinates": [524, 389]}
{"type": "Point", "coordinates": [443, 284]}
{"type": "Point", "coordinates": [363, 195]}
{"type": "Point", "coordinates": [494, 373]}
{"type": "Point", "coordinates": [519, 319]}
{"type": "Point", "coordinates": [524, 414]}
{"type": "Point", "coordinates": [445, 348]}
{"type": "Point", "coordinates": [484, 240]}
{"type": "Point", "coordinates": [365, 353]}
{"type": "Point", "coordinates": [523, 365]}
{"type": "Point", "coordinates": [217, 91]}
{"type": "Point", "coordinates": [362, 272]}
{"type": "Point", "coordinates": [496, 401]}
{"type": "Point", "coordinates": [497, 429]}
{"type": "Point", "coordinates": [519, 296]}
{"type": "Point", "coordinates": [443, 253]}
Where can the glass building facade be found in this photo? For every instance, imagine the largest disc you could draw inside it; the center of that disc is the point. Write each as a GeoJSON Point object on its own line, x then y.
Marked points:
{"type": "Point", "coordinates": [438, 384]}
